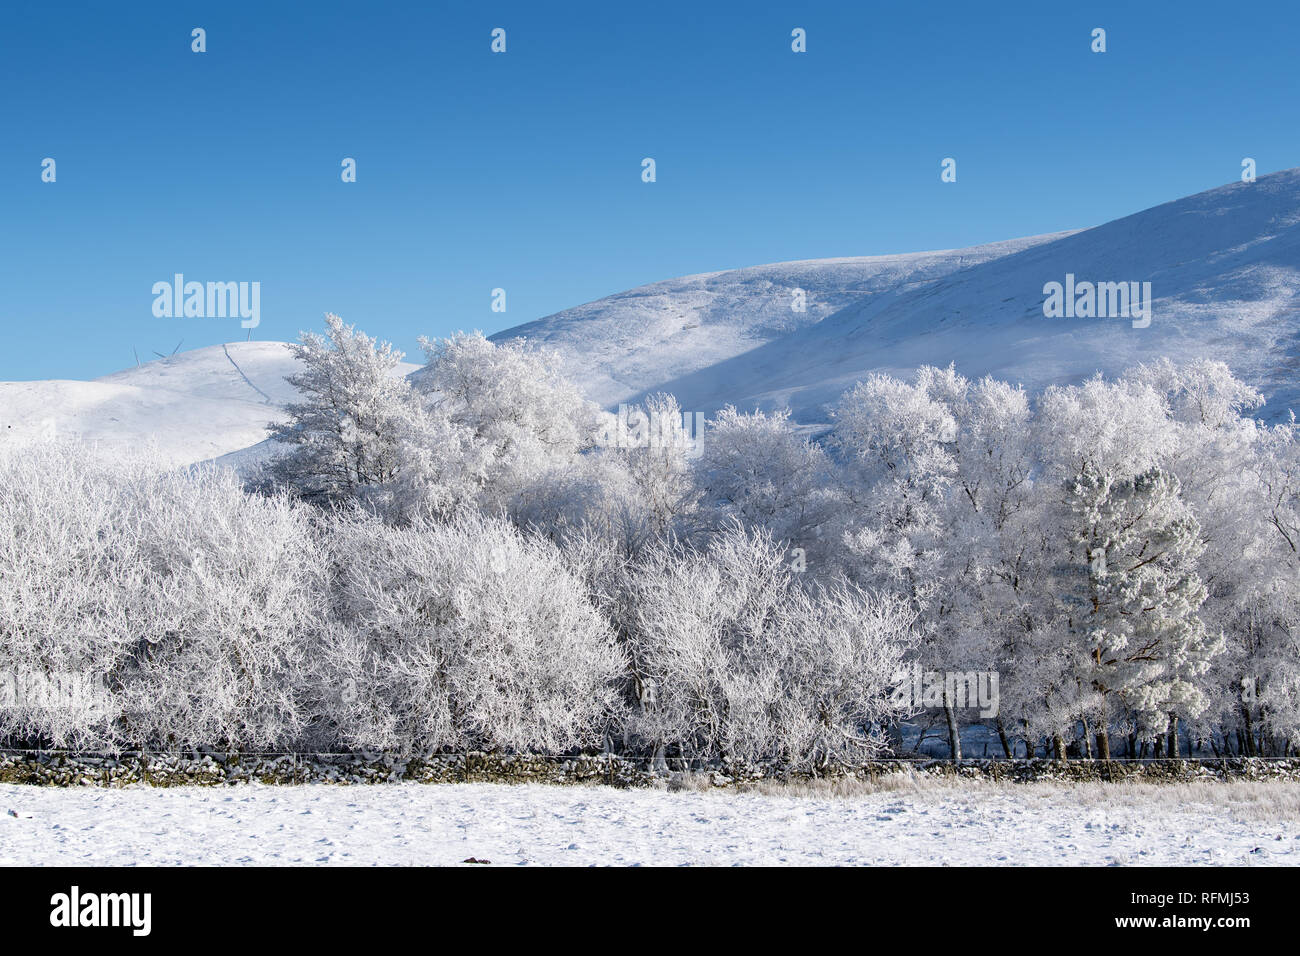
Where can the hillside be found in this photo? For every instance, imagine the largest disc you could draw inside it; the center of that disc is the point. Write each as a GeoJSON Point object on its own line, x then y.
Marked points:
{"type": "Point", "coordinates": [190, 407]}
{"type": "Point", "coordinates": [1224, 268]}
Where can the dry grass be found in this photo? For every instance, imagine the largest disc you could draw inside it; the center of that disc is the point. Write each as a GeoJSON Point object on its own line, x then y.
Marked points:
{"type": "Point", "coordinates": [1253, 800]}
{"type": "Point", "coordinates": [1249, 800]}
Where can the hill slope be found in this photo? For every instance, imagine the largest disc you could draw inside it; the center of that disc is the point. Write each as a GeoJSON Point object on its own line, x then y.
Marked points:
{"type": "Point", "coordinates": [190, 407]}
{"type": "Point", "coordinates": [627, 344]}
{"type": "Point", "coordinates": [1224, 267]}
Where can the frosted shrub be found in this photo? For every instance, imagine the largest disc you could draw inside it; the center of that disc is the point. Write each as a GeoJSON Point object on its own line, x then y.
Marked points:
{"type": "Point", "coordinates": [67, 571]}
{"type": "Point", "coordinates": [185, 600]}
{"type": "Point", "coordinates": [732, 657]}
{"type": "Point", "coordinates": [464, 635]}
{"type": "Point", "coordinates": [230, 604]}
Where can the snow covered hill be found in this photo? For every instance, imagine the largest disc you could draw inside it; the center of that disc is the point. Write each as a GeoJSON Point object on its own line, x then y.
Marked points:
{"type": "Point", "coordinates": [1224, 268]}
{"type": "Point", "coordinates": [628, 344]}
{"type": "Point", "coordinates": [190, 407]}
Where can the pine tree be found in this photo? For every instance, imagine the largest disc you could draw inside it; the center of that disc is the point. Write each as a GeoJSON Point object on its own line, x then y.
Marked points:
{"type": "Point", "coordinates": [1134, 597]}
{"type": "Point", "coordinates": [347, 433]}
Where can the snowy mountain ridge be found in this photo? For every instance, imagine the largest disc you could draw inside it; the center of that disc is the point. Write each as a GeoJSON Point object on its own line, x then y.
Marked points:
{"type": "Point", "coordinates": [1224, 268]}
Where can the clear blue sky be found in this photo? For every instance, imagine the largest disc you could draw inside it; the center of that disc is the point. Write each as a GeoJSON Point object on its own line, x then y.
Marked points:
{"type": "Point", "coordinates": [522, 170]}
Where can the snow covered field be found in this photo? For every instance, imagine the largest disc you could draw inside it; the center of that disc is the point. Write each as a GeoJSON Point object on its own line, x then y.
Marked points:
{"type": "Point", "coordinates": [968, 823]}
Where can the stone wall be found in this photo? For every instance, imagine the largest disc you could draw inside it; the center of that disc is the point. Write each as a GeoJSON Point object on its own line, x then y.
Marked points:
{"type": "Point", "coordinates": [210, 769]}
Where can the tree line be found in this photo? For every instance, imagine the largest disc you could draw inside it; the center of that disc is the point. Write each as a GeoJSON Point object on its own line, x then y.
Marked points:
{"type": "Point", "coordinates": [465, 559]}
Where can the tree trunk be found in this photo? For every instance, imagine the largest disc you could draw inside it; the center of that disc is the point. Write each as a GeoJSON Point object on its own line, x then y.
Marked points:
{"type": "Point", "coordinates": [894, 738]}
{"type": "Point", "coordinates": [1087, 739]}
{"type": "Point", "coordinates": [1173, 736]}
{"type": "Point", "coordinates": [658, 762]}
{"type": "Point", "coordinates": [954, 736]}
{"type": "Point", "coordinates": [1103, 732]}
{"type": "Point", "coordinates": [1248, 738]}
{"type": "Point", "coordinates": [1002, 735]}
{"type": "Point", "coordinates": [1058, 745]}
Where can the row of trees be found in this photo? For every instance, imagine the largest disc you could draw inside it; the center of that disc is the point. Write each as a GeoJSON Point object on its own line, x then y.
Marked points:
{"type": "Point", "coordinates": [197, 614]}
{"type": "Point", "coordinates": [1123, 554]}
{"type": "Point", "coordinates": [476, 556]}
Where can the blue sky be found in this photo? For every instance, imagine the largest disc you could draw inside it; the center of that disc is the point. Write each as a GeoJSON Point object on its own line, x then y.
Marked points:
{"type": "Point", "coordinates": [523, 170]}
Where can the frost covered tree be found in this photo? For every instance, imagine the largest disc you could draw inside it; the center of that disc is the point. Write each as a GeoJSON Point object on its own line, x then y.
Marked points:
{"type": "Point", "coordinates": [758, 468]}
{"type": "Point", "coordinates": [187, 603]}
{"type": "Point", "coordinates": [1270, 704]}
{"type": "Point", "coordinates": [1130, 593]}
{"type": "Point", "coordinates": [997, 548]}
{"type": "Point", "coordinates": [1135, 601]}
{"type": "Point", "coordinates": [515, 570]}
{"type": "Point", "coordinates": [523, 418]}
{"type": "Point", "coordinates": [895, 442]}
{"type": "Point", "coordinates": [635, 486]}
{"type": "Point", "coordinates": [362, 434]}
{"type": "Point", "coordinates": [732, 657]}
{"type": "Point", "coordinates": [346, 433]}
{"type": "Point", "coordinates": [657, 458]}
{"type": "Point", "coordinates": [464, 634]}
{"type": "Point", "coordinates": [1217, 461]}
{"type": "Point", "coordinates": [68, 576]}
{"type": "Point", "coordinates": [229, 599]}
{"type": "Point", "coordinates": [893, 439]}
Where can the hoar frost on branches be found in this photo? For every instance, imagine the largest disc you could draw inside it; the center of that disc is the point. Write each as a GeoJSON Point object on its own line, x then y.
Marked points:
{"type": "Point", "coordinates": [464, 635]}
{"type": "Point", "coordinates": [190, 602]}
{"type": "Point", "coordinates": [463, 558]}
{"type": "Point", "coordinates": [731, 656]}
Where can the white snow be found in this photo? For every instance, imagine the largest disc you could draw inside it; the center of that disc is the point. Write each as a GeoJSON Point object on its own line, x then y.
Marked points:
{"type": "Point", "coordinates": [1224, 267]}
{"type": "Point", "coordinates": [189, 407]}
{"type": "Point", "coordinates": [409, 823]}
{"type": "Point", "coordinates": [625, 345]}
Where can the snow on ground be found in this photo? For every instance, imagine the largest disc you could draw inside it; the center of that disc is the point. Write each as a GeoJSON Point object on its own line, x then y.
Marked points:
{"type": "Point", "coordinates": [968, 823]}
